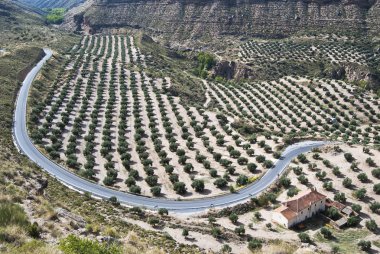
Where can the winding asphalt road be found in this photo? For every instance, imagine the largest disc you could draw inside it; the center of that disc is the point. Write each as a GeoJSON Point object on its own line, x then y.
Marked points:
{"type": "Point", "coordinates": [73, 181]}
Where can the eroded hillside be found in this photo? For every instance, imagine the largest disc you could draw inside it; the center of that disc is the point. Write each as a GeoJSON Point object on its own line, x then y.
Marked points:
{"type": "Point", "coordinates": [199, 18]}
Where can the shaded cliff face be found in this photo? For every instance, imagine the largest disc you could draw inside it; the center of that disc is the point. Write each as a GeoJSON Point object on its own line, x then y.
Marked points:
{"type": "Point", "coordinates": [183, 19]}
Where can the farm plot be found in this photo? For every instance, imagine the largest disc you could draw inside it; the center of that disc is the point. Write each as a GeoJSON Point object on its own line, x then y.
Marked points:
{"type": "Point", "coordinates": [265, 52]}
{"type": "Point", "coordinates": [106, 120]}
{"type": "Point", "coordinates": [318, 107]}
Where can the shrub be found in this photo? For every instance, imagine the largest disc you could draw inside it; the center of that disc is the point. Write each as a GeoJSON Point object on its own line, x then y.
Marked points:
{"type": "Point", "coordinates": [328, 186]}
{"type": "Point", "coordinates": [240, 230]}
{"type": "Point", "coordinates": [285, 182]}
{"type": "Point", "coordinates": [251, 167]}
{"type": "Point", "coordinates": [376, 173]}
{"type": "Point", "coordinates": [254, 244]}
{"type": "Point", "coordinates": [55, 16]}
{"type": "Point", "coordinates": [356, 208]}
{"type": "Point", "coordinates": [130, 181]}
{"type": "Point", "coordinates": [304, 237]}
{"type": "Point", "coordinates": [220, 183]}
{"type": "Point", "coordinates": [371, 225]}
{"type": "Point", "coordinates": [333, 213]}
{"type": "Point", "coordinates": [156, 190]}
{"type": "Point", "coordinates": [340, 197]}
{"type": "Point", "coordinates": [108, 180]}
{"type": "Point", "coordinates": [233, 217]}
{"type": "Point", "coordinates": [353, 221]}
{"type": "Point", "coordinates": [364, 245]}
{"type": "Point", "coordinates": [226, 249]}
{"type": "Point", "coordinates": [151, 180]}
{"type": "Point", "coordinates": [34, 230]}
{"type": "Point", "coordinates": [180, 188]}
{"type": "Point", "coordinates": [213, 173]}
{"type": "Point", "coordinates": [360, 194]}
{"type": "Point", "coordinates": [363, 177]}
{"type": "Point", "coordinates": [185, 232]}
{"type": "Point", "coordinates": [292, 192]}
{"type": "Point", "coordinates": [370, 162]}
{"type": "Point", "coordinates": [242, 180]}
{"type": "Point", "coordinates": [198, 185]}
{"type": "Point", "coordinates": [375, 207]}
{"type": "Point", "coordinates": [76, 245]}
{"type": "Point", "coordinates": [268, 163]}
{"type": "Point", "coordinates": [303, 179]}
{"type": "Point", "coordinates": [163, 211]}
{"type": "Point", "coordinates": [376, 188]}
{"type": "Point", "coordinates": [326, 232]}
{"type": "Point", "coordinates": [347, 182]}
{"type": "Point", "coordinates": [297, 170]}
{"type": "Point", "coordinates": [302, 158]}
{"type": "Point", "coordinates": [349, 157]}
{"type": "Point", "coordinates": [153, 221]}
{"type": "Point", "coordinates": [12, 214]}
{"type": "Point", "coordinates": [216, 232]}
{"type": "Point", "coordinates": [114, 200]}
{"type": "Point", "coordinates": [136, 210]}
{"type": "Point", "coordinates": [135, 189]}
{"type": "Point", "coordinates": [258, 215]}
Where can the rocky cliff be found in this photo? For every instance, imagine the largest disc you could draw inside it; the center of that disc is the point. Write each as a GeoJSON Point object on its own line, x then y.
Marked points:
{"type": "Point", "coordinates": [183, 19]}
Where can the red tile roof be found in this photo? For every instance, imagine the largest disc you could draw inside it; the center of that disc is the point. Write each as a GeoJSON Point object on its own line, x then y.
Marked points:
{"type": "Point", "coordinates": [303, 200]}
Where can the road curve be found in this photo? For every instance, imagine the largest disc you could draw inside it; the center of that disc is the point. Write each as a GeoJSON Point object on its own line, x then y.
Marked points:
{"type": "Point", "coordinates": [71, 180]}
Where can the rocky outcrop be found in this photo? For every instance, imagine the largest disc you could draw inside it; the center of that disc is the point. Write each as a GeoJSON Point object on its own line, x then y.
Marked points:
{"type": "Point", "coordinates": [232, 70]}
{"type": "Point", "coordinates": [183, 19]}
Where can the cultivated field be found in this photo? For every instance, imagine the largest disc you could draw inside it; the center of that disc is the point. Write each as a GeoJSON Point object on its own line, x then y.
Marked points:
{"type": "Point", "coordinates": [108, 121]}
{"type": "Point", "coordinates": [261, 52]}
{"type": "Point", "coordinates": [322, 108]}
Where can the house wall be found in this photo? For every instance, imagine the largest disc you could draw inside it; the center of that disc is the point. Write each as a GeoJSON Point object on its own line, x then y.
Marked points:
{"type": "Point", "coordinates": [309, 212]}
{"type": "Point", "coordinates": [302, 216]}
{"type": "Point", "coordinates": [280, 219]}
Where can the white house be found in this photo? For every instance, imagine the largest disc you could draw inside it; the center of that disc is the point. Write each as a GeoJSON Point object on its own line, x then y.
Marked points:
{"type": "Point", "coordinates": [299, 208]}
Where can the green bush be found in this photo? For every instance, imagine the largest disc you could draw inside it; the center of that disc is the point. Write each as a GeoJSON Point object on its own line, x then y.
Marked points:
{"type": "Point", "coordinates": [364, 245]}
{"type": "Point", "coordinates": [326, 232]}
{"type": "Point", "coordinates": [55, 16]}
{"type": "Point", "coordinates": [75, 245]}
{"type": "Point", "coordinates": [34, 230]}
{"type": "Point", "coordinates": [255, 244]}
{"type": "Point", "coordinates": [371, 225]}
{"type": "Point", "coordinates": [305, 238]}
{"type": "Point", "coordinates": [205, 62]}
{"type": "Point", "coordinates": [12, 214]}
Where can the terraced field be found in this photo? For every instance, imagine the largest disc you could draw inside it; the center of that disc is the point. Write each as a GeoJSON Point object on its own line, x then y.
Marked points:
{"type": "Point", "coordinates": [323, 108]}
{"type": "Point", "coordinates": [108, 121]}
{"type": "Point", "coordinates": [113, 124]}
{"type": "Point", "coordinates": [258, 52]}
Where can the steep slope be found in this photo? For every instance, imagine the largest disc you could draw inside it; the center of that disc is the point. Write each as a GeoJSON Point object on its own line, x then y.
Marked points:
{"type": "Point", "coordinates": [52, 3]}
{"type": "Point", "coordinates": [195, 18]}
